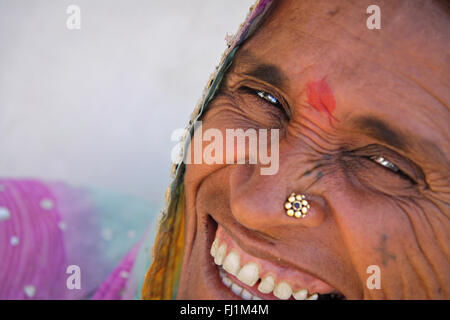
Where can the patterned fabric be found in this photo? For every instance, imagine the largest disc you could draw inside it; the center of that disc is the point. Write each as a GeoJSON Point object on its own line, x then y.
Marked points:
{"type": "Point", "coordinates": [47, 227]}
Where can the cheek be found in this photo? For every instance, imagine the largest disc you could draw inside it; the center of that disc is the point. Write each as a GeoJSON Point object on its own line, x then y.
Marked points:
{"type": "Point", "coordinates": [391, 233]}
{"type": "Point", "coordinates": [213, 194]}
{"type": "Point", "coordinates": [204, 139]}
{"type": "Point", "coordinates": [366, 216]}
{"type": "Point", "coordinates": [207, 150]}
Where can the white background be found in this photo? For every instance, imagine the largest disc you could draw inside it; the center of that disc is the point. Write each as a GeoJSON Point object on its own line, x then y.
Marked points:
{"type": "Point", "coordinates": [96, 107]}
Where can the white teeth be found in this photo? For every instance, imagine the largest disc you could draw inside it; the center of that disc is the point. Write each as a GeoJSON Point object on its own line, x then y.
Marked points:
{"type": "Point", "coordinates": [282, 291]}
{"type": "Point", "coordinates": [226, 281]}
{"type": "Point", "coordinates": [236, 289]}
{"type": "Point", "coordinates": [246, 295]}
{"type": "Point", "coordinates": [313, 297]}
{"type": "Point", "coordinates": [301, 294]}
{"type": "Point", "coordinates": [214, 247]}
{"type": "Point", "coordinates": [220, 254]}
{"type": "Point", "coordinates": [249, 274]}
{"type": "Point", "coordinates": [267, 284]}
{"type": "Point", "coordinates": [232, 263]}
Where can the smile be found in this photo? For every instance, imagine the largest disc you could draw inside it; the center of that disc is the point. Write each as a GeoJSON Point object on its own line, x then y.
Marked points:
{"type": "Point", "coordinates": [252, 278]}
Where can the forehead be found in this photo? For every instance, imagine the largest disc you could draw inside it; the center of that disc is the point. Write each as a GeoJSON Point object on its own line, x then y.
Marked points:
{"type": "Point", "coordinates": [398, 73]}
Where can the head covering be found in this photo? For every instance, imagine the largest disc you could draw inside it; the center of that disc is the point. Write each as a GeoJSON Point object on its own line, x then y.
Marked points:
{"type": "Point", "coordinates": [161, 281]}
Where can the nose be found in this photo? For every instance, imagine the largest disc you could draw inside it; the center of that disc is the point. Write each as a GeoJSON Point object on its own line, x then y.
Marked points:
{"type": "Point", "coordinates": [257, 201]}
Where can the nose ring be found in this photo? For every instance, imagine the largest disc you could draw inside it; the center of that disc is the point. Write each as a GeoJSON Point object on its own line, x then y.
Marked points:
{"type": "Point", "coordinates": [296, 206]}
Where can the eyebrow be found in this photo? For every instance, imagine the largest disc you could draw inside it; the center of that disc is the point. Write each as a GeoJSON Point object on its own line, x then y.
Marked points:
{"type": "Point", "coordinates": [261, 70]}
{"type": "Point", "coordinates": [383, 132]}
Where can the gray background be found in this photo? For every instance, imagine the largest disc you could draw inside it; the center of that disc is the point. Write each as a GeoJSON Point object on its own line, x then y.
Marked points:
{"type": "Point", "coordinates": [96, 107]}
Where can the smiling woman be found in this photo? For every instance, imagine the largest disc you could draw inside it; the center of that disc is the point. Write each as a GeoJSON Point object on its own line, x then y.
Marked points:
{"type": "Point", "coordinates": [363, 119]}
{"type": "Point", "coordinates": [338, 186]}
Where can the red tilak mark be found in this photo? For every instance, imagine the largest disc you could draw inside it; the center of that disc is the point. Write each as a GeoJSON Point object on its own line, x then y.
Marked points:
{"type": "Point", "coordinates": [321, 97]}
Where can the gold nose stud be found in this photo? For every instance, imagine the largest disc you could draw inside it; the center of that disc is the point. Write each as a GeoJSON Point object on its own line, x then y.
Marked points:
{"type": "Point", "coordinates": [296, 206]}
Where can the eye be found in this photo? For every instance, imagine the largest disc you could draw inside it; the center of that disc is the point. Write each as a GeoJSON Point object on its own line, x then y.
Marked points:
{"type": "Point", "coordinates": [391, 166]}
{"type": "Point", "coordinates": [268, 99]}
{"type": "Point", "coordinates": [385, 163]}
{"type": "Point", "coordinates": [267, 96]}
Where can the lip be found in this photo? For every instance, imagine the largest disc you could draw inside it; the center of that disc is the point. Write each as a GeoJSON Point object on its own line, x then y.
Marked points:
{"type": "Point", "coordinates": [220, 291]}
{"type": "Point", "coordinates": [223, 292]}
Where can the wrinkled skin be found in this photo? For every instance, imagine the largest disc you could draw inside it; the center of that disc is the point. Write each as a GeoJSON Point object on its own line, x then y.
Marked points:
{"type": "Point", "coordinates": [361, 213]}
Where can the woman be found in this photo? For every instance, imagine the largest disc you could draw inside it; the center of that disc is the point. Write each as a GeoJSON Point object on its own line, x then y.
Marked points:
{"type": "Point", "coordinates": [357, 204]}
{"type": "Point", "coordinates": [363, 121]}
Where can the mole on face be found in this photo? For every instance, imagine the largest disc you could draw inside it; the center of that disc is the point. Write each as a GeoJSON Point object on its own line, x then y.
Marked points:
{"type": "Point", "coordinates": [321, 98]}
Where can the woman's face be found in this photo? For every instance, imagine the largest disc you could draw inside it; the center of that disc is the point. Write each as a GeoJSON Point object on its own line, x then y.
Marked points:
{"type": "Point", "coordinates": [345, 95]}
